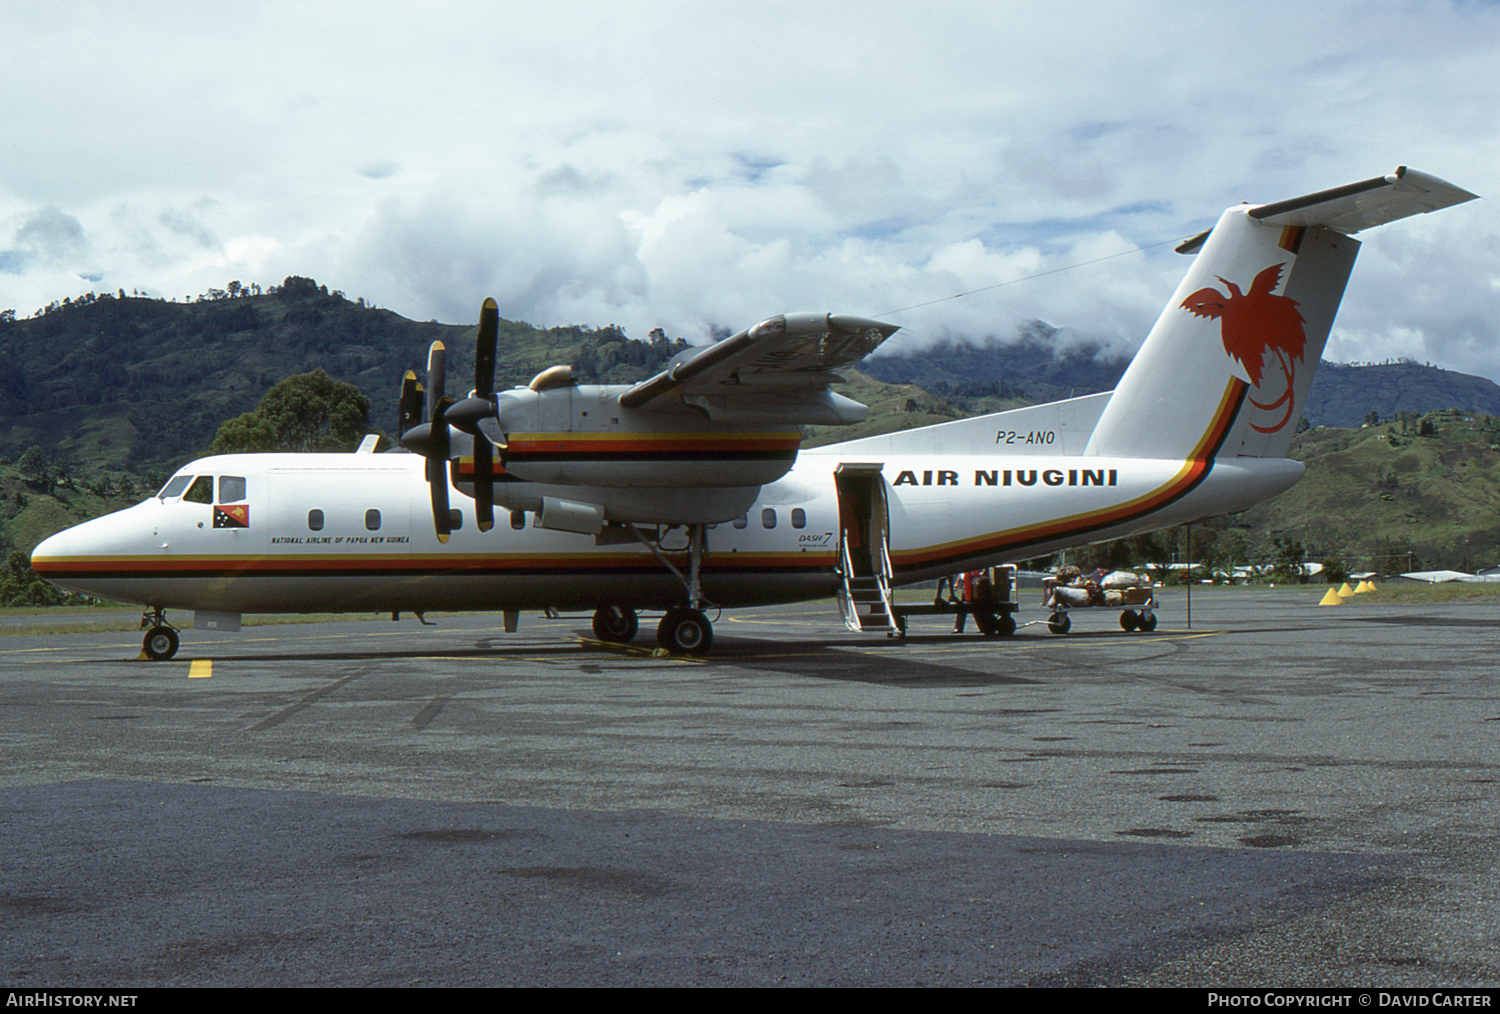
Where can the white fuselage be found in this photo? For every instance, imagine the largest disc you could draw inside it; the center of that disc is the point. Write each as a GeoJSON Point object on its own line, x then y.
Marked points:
{"type": "Point", "coordinates": [353, 532]}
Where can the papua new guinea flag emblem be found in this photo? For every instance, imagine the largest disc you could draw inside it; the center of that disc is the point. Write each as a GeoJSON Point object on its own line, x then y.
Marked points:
{"type": "Point", "coordinates": [232, 516]}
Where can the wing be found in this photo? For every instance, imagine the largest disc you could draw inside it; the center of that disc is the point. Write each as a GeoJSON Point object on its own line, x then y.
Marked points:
{"type": "Point", "coordinates": [778, 370]}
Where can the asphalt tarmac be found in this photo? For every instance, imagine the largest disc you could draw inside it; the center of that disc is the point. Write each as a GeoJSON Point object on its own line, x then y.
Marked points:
{"type": "Point", "coordinates": [1282, 795]}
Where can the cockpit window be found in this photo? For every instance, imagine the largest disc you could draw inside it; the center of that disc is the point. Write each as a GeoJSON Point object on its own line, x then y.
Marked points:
{"type": "Point", "coordinates": [231, 488]}
{"type": "Point", "coordinates": [175, 487]}
{"type": "Point", "coordinates": [201, 491]}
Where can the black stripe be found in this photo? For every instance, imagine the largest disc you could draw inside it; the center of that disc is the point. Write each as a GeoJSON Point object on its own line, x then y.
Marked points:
{"type": "Point", "coordinates": [715, 455]}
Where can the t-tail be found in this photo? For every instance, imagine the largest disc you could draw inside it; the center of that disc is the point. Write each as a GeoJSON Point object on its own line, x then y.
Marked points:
{"type": "Point", "coordinates": [1226, 370]}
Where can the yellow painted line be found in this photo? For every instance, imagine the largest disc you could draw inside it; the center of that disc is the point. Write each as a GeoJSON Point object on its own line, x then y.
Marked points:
{"type": "Point", "coordinates": [201, 669]}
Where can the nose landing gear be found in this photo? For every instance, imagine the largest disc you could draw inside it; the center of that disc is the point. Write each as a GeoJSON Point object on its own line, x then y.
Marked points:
{"type": "Point", "coordinates": [160, 642]}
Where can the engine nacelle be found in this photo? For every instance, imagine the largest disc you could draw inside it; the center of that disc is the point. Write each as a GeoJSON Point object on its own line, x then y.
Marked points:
{"type": "Point", "coordinates": [583, 436]}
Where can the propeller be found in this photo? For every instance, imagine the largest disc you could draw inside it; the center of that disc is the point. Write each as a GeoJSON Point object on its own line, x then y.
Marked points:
{"type": "Point", "coordinates": [433, 441]}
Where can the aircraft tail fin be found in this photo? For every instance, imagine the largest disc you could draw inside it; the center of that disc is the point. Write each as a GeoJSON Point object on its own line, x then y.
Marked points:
{"type": "Point", "coordinates": [1226, 370]}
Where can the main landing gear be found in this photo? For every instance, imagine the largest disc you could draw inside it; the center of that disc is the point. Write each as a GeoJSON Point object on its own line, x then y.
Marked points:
{"type": "Point", "coordinates": [681, 631]}
{"type": "Point", "coordinates": [685, 629]}
{"type": "Point", "coordinates": [160, 642]}
{"type": "Point", "coordinates": [616, 625]}
{"type": "Point", "coordinates": [685, 632]}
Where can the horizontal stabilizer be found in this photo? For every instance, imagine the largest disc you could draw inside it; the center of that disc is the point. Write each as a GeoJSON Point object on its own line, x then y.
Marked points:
{"type": "Point", "coordinates": [1367, 204]}
{"type": "Point", "coordinates": [1357, 206]}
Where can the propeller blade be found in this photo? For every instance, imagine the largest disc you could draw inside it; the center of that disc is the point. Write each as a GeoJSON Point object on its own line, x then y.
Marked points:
{"type": "Point", "coordinates": [440, 445]}
{"type": "Point", "coordinates": [437, 355]}
{"type": "Point", "coordinates": [484, 388]}
{"type": "Point", "coordinates": [437, 469]}
{"type": "Point", "coordinates": [484, 349]}
{"type": "Point", "coordinates": [409, 409]}
{"type": "Point", "coordinates": [484, 483]}
{"type": "Point", "coordinates": [441, 523]}
{"type": "Point", "coordinates": [467, 414]}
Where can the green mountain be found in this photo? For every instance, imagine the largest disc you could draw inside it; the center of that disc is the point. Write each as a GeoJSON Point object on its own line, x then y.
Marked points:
{"type": "Point", "coordinates": [1418, 493]}
{"type": "Point", "coordinates": [113, 383]}
{"type": "Point", "coordinates": [1034, 368]}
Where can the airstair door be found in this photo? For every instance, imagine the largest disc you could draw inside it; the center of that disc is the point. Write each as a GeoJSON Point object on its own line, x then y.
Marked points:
{"type": "Point", "coordinates": [864, 548]}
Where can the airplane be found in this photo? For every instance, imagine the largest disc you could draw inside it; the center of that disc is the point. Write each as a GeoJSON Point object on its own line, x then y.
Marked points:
{"type": "Point", "coordinates": [690, 492]}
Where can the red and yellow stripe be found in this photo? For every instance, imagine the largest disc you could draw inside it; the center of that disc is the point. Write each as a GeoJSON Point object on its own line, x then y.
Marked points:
{"type": "Point", "coordinates": [1187, 478]}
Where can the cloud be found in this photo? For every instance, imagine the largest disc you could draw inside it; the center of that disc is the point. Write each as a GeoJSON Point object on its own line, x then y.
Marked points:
{"type": "Point", "coordinates": [379, 170]}
{"type": "Point", "coordinates": [667, 164]}
{"type": "Point", "coordinates": [49, 236]}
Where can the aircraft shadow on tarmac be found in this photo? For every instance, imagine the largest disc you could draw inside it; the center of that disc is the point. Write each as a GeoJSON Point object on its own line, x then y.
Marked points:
{"type": "Point", "coordinates": [853, 661]}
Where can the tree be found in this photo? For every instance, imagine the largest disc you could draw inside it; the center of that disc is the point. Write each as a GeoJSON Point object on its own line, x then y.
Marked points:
{"type": "Point", "coordinates": [20, 586]}
{"type": "Point", "coordinates": [306, 412]}
{"type": "Point", "coordinates": [33, 467]}
{"type": "Point", "coordinates": [1289, 554]}
{"type": "Point", "coordinates": [297, 287]}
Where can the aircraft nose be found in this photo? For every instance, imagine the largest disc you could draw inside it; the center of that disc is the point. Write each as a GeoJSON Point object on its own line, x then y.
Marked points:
{"type": "Point", "coordinates": [48, 556]}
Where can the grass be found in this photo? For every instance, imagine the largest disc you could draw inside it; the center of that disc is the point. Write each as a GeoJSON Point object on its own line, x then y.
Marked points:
{"type": "Point", "coordinates": [1460, 592]}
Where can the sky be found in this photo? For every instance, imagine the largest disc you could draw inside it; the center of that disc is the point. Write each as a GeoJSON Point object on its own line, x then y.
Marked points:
{"type": "Point", "coordinates": [702, 166]}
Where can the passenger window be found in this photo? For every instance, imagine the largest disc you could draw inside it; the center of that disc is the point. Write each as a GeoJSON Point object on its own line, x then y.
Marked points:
{"type": "Point", "coordinates": [372, 520]}
{"type": "Point", "coordinates": [518, 520]}
{"type": "Point", "coordinates": [315, 520]}
{"type": "Point", "coordinates": [455, 519]}
{"type": "Point", "coordinates": [742, 521]}
{"type": "Point", "coordinates": [768, 518]}
{"type": "Point", "coordinates": [175, 487]}
{"type": "Point", "coordinates": [231, 488]}
{"type": "Point", "coordinates": [799, 517]}
{"type": "Point", "coordinates": [201, 491]}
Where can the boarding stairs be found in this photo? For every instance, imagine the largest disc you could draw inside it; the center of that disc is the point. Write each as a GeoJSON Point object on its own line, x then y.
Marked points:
{"type": "Point", "coordinates": [865, 598]}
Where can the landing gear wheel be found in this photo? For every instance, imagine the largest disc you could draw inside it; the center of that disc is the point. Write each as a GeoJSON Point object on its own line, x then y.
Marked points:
{"type": "Point", "coordinates": [616, 625]}
{"type": "Point", "coordinates": [1147, 622]}
{"type": "Point", "coordinates": [160, 643]}
{"type": "Point", "coordinates": [685, 632]}
{"type": "Point", "coordinates": [1128, 620]}
{"type": "Point", "coordinates": [1059, 623]}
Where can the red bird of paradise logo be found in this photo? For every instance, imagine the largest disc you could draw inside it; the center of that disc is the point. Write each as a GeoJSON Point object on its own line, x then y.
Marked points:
{"type": "Point", "coordinates": [1253, 323]}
